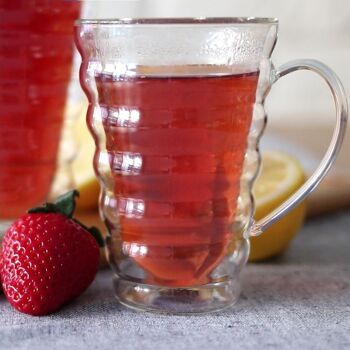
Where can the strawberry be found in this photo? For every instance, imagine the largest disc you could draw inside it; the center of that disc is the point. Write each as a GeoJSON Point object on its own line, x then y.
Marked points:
{"type": "Point", "coordinates": [48, 258]}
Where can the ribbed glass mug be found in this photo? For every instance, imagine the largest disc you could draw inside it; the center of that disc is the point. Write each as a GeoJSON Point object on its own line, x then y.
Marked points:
{"type": "Point", "coordinates": [176, 107]}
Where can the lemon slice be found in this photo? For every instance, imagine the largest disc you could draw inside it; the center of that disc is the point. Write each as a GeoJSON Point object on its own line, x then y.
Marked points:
{"type": "Point", "coordinates": [281, 175]}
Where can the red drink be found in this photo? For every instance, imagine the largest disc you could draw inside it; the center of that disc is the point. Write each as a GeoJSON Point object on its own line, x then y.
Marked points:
{"type": "Point", "coordinates": [36, 48]}
{"type": "Point", "coordinates": [176, 147]}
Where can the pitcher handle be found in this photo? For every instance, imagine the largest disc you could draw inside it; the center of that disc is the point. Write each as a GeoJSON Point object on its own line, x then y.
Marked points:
{"type": "Point", "coordinates": [341, 106]}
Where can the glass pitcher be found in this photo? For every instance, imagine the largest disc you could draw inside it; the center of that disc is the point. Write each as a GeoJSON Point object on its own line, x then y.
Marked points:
{"type": "Point", "coordinates": [36, 55]}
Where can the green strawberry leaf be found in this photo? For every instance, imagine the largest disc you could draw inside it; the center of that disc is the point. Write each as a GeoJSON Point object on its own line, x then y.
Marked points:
{"type": "Point", "coordinates": [45, 208]}
{"type": "Point", "coordinates": [65, 204]}
{"type": "Point", "coordinates": [94, 231]}
{"type": "Point", "coordinates": [97, 235]}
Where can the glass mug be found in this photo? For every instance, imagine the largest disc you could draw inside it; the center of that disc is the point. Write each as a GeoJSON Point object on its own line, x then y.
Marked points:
{"type": "Point", "coordinates": [176, 108]}
{"type": "Point", "coordinates": [36, 54]}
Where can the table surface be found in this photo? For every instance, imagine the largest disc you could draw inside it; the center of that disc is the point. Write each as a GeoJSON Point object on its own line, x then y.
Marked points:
{"type": "Point", "coordinates": [300, 300]}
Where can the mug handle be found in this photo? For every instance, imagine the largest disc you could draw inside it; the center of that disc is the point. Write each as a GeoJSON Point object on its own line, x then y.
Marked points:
{"type": "Point", "coordinates": [341, 106]}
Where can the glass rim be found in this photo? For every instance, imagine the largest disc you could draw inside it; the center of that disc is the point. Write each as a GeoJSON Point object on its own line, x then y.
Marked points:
{"type": "Point", "coordinates": [177, 20]}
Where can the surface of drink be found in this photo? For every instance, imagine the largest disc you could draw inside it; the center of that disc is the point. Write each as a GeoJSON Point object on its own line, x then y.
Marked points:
{"type": "Point", "coordinates": [36, 49]}
{"type": "Point", "coordinates": [176, 148]}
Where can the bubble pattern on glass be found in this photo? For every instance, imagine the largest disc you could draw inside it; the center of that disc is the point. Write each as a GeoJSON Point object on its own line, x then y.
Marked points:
{"type": "Point", "coordinates": [120, 52]}
{"type": "Point", "coordinates": [217, 44]}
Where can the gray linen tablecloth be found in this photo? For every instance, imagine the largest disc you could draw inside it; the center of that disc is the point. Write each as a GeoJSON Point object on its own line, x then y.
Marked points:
{"type": "Point", "coordinates": [298, 301]}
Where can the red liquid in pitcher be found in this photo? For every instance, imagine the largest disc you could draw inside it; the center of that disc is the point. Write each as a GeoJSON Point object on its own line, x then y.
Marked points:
{"type": "Point", "coordinates": [177, 146]}
{"type": "Point", "coordinates": [36, 49]}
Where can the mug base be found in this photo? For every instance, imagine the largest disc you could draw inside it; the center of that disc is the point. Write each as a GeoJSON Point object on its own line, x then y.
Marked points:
{"type": "Point", "coordinates": [201, 299]}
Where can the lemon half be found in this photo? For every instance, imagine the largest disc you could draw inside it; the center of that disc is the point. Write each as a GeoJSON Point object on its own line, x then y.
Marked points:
{"type": "Point", "coordinates": [280, 176]}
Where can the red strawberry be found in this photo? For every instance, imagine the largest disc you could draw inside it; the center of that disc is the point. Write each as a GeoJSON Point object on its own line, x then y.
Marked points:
{"type": "Point", "coordinates": [48, 258]}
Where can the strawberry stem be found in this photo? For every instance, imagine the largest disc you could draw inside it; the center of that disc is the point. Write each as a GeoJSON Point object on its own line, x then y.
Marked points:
{"type": "Point", "coordinates": [65, 205]}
